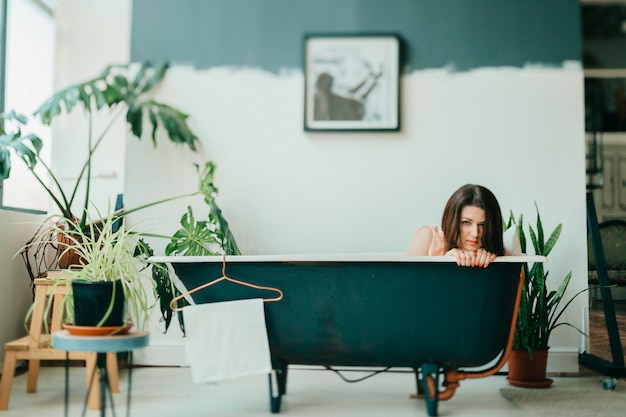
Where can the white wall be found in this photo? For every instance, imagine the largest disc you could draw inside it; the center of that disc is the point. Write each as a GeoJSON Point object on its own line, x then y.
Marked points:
{"type": "Point", "coordinates": [90, 36]}
{"type": "Point", "coordinates": [15, 289]}
{"type": "Point", "coordinates": [517, 131]}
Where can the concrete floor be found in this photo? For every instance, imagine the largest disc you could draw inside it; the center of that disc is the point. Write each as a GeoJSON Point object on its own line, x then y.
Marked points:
{"type": "Point", "coordinates": [165, 391]}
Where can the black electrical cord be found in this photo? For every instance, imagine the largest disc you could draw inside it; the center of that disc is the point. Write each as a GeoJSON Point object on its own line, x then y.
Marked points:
{"type": "Point", "coordinates": [338, 372]}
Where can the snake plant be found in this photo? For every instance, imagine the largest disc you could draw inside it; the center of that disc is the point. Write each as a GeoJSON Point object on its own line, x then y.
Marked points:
{"type": "Point", "coordinates": [540, 310]}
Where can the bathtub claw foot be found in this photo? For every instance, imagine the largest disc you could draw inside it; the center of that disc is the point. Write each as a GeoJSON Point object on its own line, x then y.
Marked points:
{"type": "Point", "coordinates": [275, 391]}
{"type": "Point", "coordinates": [281, 378]}
{"type": "Point", "coordinates": [430, 375]}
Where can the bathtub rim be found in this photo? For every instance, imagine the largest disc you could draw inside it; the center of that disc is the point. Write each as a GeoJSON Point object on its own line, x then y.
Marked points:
{"type": "Point", "coordinates": [340, 257]}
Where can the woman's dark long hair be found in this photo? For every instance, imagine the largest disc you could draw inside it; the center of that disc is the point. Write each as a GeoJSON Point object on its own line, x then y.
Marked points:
{"type": "Point", "coordinates": [481, 197]}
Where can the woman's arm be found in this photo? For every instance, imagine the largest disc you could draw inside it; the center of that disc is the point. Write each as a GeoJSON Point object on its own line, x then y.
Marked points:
{"type": "Point", "coordinates": [421, 242]}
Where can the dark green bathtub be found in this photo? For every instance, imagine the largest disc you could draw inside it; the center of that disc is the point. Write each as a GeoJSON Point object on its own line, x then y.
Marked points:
{"type": "Point", "coordinates": [423, 313]}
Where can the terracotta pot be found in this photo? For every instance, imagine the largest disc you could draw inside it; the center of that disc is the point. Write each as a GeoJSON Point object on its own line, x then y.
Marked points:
{"type": "Point", "coordinates": [526, 372]}
{"type": "Point", "coordinates": [67, 257]}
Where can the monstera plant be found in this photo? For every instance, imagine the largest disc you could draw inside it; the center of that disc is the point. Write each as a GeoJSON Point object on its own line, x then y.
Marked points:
{"type": "Point", "coordinates": [118, 91]}
{"type": "Point", "coordinates": [122, 89]}
{"type": "Point", "coordinates": [194, 238]}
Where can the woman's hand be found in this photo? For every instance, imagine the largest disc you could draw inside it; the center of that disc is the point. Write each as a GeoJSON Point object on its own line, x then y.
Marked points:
{"type": "Point", "coordinates": [481, 257]}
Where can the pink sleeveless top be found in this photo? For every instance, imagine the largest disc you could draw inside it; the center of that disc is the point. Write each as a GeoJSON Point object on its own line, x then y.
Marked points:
{"type": "Point", "coordinates": [438, 244]}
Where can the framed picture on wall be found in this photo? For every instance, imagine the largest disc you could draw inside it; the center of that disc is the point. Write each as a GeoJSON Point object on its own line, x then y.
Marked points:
{"type": "Point", "coordinates": [351, 82]}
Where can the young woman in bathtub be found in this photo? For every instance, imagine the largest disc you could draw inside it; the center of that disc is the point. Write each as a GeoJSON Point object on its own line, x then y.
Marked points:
{"type": "Point", "coordinates": [471, 229]}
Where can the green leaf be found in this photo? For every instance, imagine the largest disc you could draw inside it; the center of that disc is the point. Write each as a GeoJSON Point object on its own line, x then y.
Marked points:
{"type": "Point", "coordinates": [193, 239]}
{"type": "Point", "coordinates": [157, 75]}
{"type": "Point", "coordinates": [520, 233]}
{"type": "Point", "coordinates": [554, 237]}
{"type": "Point", "coordinates": [134, 117]}
{"type": "Point", "coordinates": [540, 240]}
{"type": "Point", "coordinates": [205, 185]}
{"type": "Point", "coordinates": [175, 123]}
{"type": "Point", "coordinates": [26, 147]}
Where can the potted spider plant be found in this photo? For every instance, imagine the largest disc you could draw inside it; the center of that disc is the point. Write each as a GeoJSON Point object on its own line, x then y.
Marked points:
{"type": "Point", "coordinates": [540, 309]}
{"type": "Point", "coordinates": [106, 290]}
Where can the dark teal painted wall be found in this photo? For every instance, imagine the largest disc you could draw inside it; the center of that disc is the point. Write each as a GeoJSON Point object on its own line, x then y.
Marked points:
{"type": "Point", "coordinates": [268, 34]}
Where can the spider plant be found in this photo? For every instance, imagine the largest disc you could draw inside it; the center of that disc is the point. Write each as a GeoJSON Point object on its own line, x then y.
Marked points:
{"type": "Point", "coordinates": [106, 253]}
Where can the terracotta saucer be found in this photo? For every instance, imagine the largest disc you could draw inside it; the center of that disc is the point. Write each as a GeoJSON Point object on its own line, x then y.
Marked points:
{"type": "Point", "coordinates": [531, 384]}
{"type": "Point", "coordinates": [97, 331]}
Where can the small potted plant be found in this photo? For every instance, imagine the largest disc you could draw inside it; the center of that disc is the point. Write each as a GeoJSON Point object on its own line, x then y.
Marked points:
{"type": "Point", "coordinates": [107, 289]}
{"type": "Point", "coordinates": [539, 312]}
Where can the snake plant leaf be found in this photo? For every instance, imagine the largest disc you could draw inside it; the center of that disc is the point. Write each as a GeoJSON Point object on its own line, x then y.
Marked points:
{"type": "Point", "coordinates": [554, 236]}
{"type": "Point", "coordinates": [539, 232]}
{"type": "Point", "coordinates": [539, 311]}
{"type": "Point", "coordinates": [520, 233]}
{"type": "Point", "coordinates": [557, 296]}
{"type": "Point", "coordinates": [510, 222]}
{"type": "Point", "coordinates": [533, 239]}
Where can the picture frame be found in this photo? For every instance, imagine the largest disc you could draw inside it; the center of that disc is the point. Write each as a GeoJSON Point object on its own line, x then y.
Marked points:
{"type": "Point", "coordinates": [351, 82]}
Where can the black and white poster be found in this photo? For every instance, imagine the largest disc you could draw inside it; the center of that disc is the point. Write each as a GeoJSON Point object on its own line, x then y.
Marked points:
{"type": "Point", "coordinates": [351, 82]}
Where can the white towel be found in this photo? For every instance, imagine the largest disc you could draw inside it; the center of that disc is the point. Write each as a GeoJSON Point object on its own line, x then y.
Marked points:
{"type": "Point", "coordinates": [226, 340]}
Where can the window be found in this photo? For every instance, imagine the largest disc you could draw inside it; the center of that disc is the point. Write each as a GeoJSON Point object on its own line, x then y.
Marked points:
{"type": "Point", "coordinates": [29, 80]}
{"type": "Point", "coordinates": [604, 62]}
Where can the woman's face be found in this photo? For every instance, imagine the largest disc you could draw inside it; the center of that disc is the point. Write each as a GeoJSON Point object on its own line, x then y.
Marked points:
{"type": "Point", "coordinates": [472, 228]}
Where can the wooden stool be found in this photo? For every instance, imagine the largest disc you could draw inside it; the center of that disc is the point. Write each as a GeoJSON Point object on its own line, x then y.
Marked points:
{"type": "Point", "coordinates": [35, 346]}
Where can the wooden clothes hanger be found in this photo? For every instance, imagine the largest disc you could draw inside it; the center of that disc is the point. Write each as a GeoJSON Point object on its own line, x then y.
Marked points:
{"type": "Point", "coordinates": [224, 277]}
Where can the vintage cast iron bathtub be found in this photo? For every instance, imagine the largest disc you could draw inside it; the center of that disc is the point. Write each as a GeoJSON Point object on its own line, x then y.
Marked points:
{"type": "Point", "coordinates": [423, 313]}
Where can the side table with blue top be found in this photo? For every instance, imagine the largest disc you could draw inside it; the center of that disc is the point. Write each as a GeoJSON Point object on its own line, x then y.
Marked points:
{"type": "Point", "coordinates": [128, 342]}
